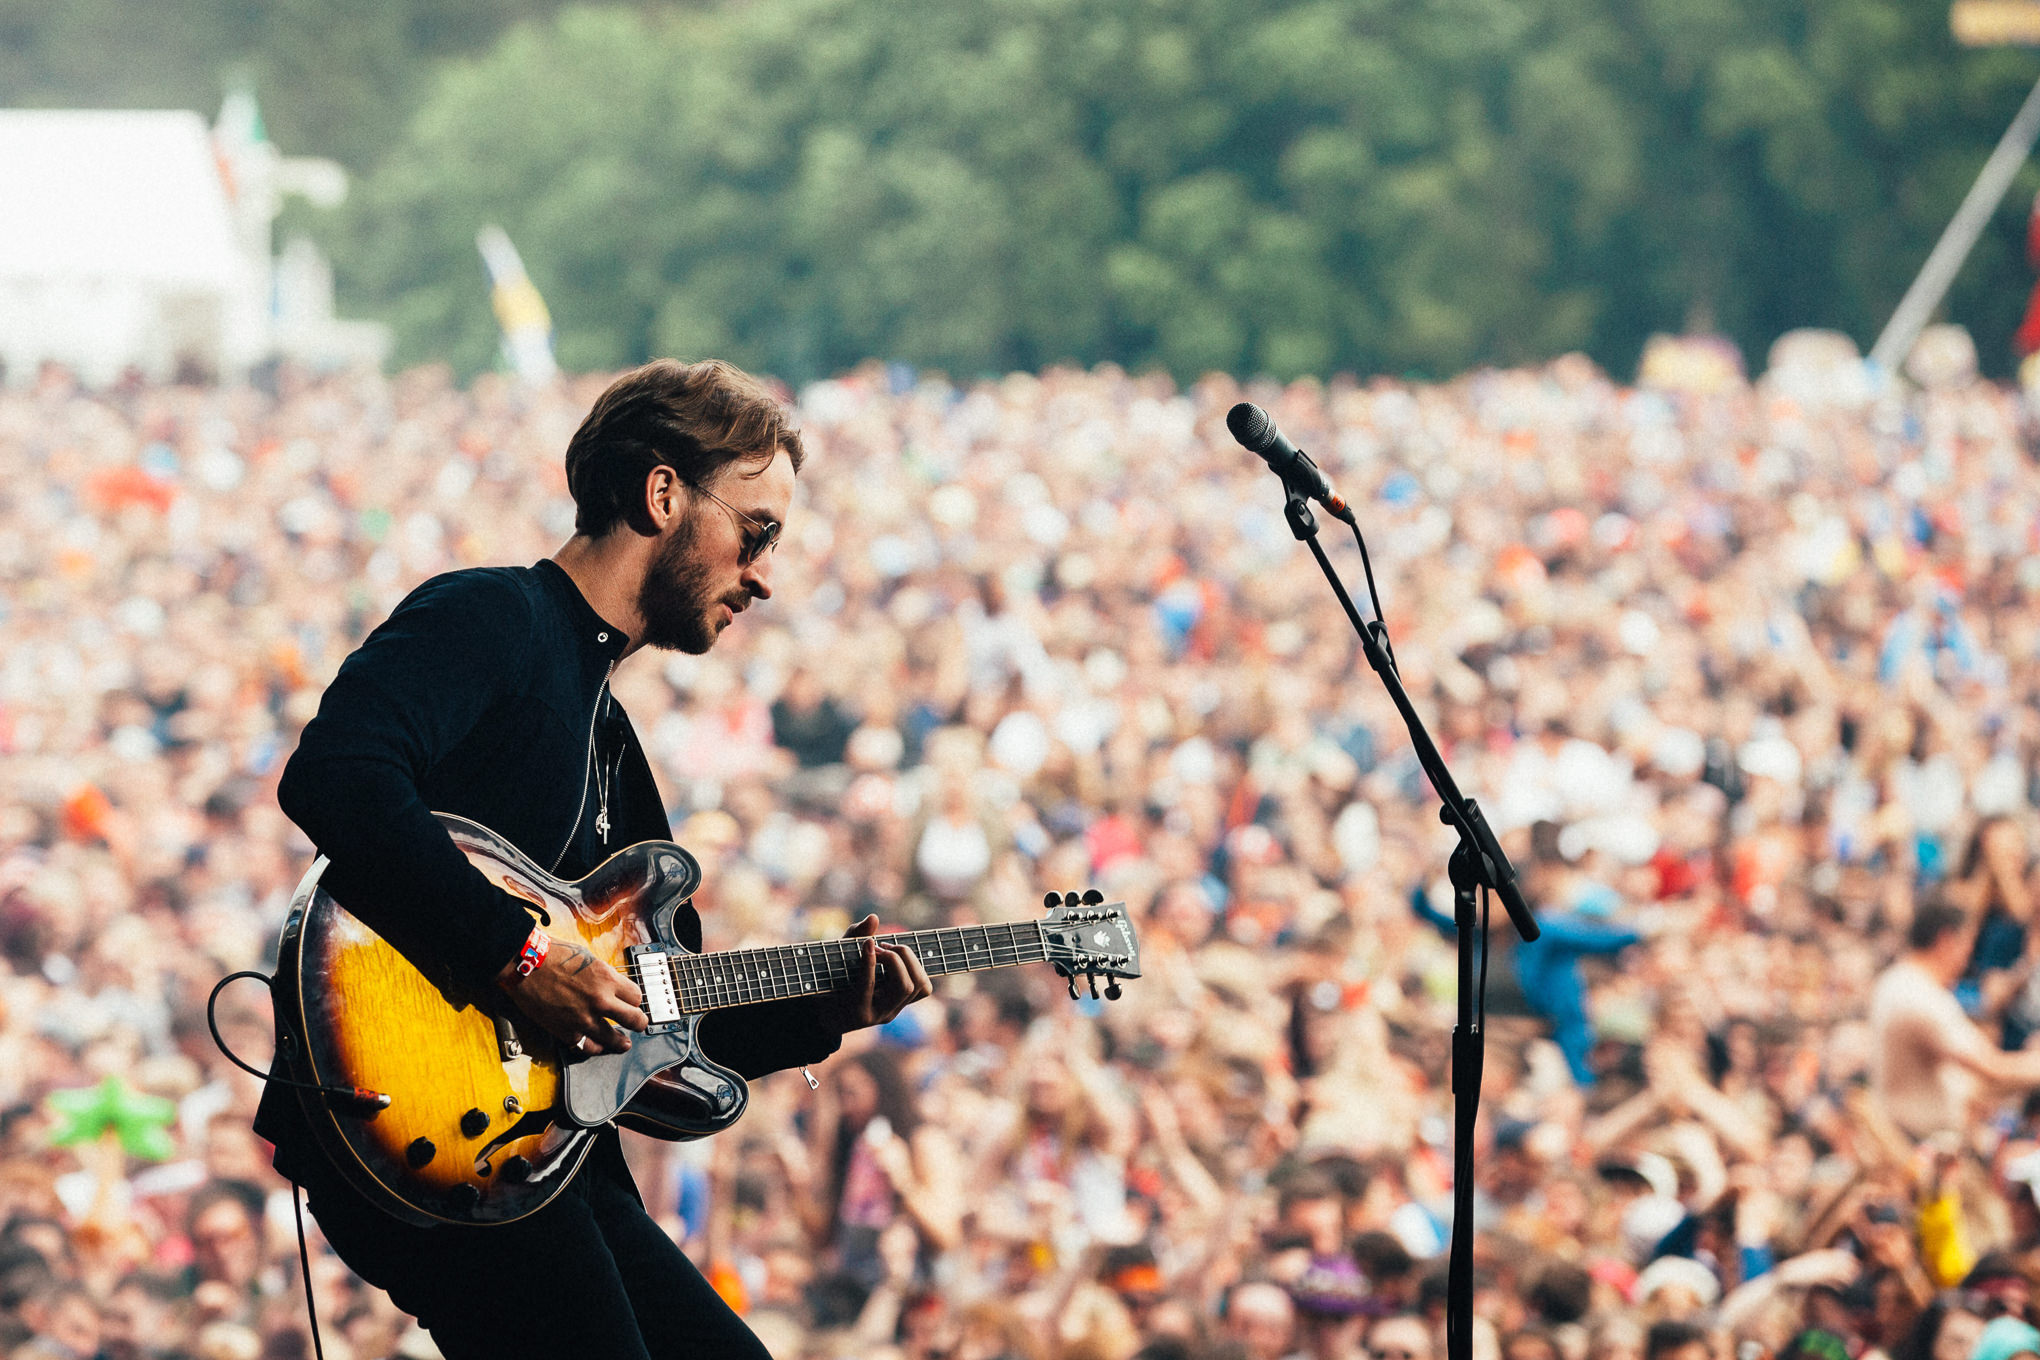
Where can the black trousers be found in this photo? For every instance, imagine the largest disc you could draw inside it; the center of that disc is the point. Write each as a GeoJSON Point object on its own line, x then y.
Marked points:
{"type": "Point", "coordinates": [588, 1275]}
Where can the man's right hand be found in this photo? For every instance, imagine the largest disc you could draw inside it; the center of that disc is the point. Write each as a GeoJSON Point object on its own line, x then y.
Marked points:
{"type": "Point", "coordinates": [575, 997]}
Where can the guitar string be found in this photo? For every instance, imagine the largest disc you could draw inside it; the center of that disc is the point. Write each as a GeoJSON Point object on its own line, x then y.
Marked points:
{"type": "Point", "coordinates": [771, 977]}
{"type": "Point", "coordinates": [762, 974]}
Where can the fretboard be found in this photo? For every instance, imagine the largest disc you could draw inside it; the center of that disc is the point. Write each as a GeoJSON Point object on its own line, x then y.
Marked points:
{"type": "Point", "coordinates": [738, 977]}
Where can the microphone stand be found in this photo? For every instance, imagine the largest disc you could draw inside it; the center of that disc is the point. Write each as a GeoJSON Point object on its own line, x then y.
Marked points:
{"type": "Point", "coordinates": [1477, 866]}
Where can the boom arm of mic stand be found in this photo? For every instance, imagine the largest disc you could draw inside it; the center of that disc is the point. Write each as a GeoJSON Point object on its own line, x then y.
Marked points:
{"type": "Point", "coordinates": [1458, 810]}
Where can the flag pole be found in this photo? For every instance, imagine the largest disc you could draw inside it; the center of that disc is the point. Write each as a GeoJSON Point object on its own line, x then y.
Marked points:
{"type": "Point", "coordinates": [1959, 237]}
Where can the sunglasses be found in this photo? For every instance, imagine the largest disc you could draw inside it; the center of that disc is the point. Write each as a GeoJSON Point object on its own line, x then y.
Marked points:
{"type": "Point", "coordinates": [762, 537]}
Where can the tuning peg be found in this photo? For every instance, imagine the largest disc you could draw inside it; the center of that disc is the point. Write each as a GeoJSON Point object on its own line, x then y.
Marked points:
{"type": "Point", "coordinates": [1073, 989]}
{"type": "Point", "coordinates": [1052, 901]}
{"type": "Point", "coordinates": [1112, 991]}
{"type": "Point", "coordinates": [1092, 897]}
{"type": "Point", "coordinates": [1092, 978]}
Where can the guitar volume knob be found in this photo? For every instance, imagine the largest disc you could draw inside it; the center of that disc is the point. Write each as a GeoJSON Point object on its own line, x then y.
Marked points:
{"type": "Point", "coordinates": [420, 1152]}
{"type": "Point", "coordinates": [474, 1124]}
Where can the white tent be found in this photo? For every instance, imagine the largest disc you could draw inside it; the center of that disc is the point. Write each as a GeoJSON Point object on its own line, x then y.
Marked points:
{"type": "Point", "coordinates": [117, 246]}
{"type": "Point", "coordinates": [142, 239]}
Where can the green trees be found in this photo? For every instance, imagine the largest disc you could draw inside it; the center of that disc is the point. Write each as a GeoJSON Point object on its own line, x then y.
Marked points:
{"type": "Point", "coordinates": [1279, 186]}
{"type": "Point", "coordinates": [336, 79]}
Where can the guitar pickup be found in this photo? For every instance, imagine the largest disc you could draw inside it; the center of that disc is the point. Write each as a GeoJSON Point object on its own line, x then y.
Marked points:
{"type": "Point", "coordinates": [655, 979]}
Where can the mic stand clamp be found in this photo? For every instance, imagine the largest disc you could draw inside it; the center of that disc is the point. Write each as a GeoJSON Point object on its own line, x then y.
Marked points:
{"type": "Point", "coordinates": [1478, 862]}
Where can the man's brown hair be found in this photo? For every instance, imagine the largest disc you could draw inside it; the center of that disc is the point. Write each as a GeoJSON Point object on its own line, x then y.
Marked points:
{"type": "Point", "coordinates": [693, 418]}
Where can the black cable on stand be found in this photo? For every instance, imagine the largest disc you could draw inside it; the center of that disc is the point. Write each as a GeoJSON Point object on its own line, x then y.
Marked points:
{"type": "Point", "coordinates": [1469, 1054]}
{"type": "Point", "coordinates": [1477, 866]}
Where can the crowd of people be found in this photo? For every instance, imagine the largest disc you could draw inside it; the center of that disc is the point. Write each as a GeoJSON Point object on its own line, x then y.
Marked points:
{"type": "Point", "coordinates": [1742, 671]}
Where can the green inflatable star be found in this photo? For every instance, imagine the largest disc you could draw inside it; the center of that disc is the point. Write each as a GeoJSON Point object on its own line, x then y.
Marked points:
{"type": "Point", "coordinates": [88, 1113]}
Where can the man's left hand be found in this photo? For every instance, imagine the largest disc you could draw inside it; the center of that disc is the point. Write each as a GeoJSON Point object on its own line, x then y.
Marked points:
{"type": "Point", "coordinates": [888, 978]}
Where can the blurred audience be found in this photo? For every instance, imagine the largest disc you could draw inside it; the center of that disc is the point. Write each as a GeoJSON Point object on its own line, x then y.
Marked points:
{"type": "Point", "coordinates": [1745, 678]}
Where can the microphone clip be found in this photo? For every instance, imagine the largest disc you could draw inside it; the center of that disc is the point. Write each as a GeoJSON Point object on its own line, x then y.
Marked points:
{"type": "Point", "coordinates": [1256, 432]}
{"type": "Point", "coordinates": [1296, 509]}
{"type": "Point", "coordinates": [1305, 482]}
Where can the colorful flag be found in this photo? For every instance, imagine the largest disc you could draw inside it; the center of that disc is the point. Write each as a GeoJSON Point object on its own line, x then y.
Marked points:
{"type": "Point", "coordinates": [527, 326]}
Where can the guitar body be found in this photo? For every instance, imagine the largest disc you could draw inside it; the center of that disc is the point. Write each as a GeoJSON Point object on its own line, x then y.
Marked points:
{"type": "Point", "coordinates": [488, 1117]}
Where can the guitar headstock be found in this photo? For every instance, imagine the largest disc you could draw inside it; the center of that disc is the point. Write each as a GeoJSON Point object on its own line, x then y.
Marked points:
{"type": "Point", "coordinates": [1091, 938]}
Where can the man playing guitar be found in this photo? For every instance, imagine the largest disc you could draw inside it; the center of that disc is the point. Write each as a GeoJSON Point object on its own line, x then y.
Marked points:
{"type": "Point", "coordinates": [486, 694]}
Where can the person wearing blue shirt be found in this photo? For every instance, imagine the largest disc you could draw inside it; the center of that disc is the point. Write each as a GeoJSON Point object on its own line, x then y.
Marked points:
{"type": "Point", "coordinates": [1548, 969]}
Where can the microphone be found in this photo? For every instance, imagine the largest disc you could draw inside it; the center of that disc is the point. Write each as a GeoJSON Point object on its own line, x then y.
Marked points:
{"type": "Point", "coordinates": [1256, 432]}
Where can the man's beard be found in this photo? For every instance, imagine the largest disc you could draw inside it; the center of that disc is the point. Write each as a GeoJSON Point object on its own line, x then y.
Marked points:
{"type": "Point", "coordinates": [675, 600]}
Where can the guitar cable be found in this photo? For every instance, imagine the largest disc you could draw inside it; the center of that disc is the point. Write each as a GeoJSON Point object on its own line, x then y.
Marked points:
{"type": "Point", "coordinates": [359, 1099]}
{"type": "Point", "coordinates": [304, 1255]}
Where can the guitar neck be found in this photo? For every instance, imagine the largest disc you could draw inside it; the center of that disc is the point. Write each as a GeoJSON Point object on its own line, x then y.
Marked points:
{"type": "Point", "coordinates": [739, 977]}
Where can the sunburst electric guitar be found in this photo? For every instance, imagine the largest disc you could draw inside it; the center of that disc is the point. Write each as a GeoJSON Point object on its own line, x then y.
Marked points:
{"type": "Point", "coordinates": [486, 1118]}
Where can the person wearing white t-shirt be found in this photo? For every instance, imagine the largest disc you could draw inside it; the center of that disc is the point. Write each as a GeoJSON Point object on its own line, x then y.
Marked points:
{"type": "Point", "coordinates": [1932, 1066]}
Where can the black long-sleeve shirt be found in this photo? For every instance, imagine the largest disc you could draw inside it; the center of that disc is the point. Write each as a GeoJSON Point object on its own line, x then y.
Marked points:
{"type": "Point", "coordinates": [485, 694]}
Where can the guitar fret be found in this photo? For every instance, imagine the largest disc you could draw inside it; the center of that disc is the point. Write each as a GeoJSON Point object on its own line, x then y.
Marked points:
{"type": "Point", "coordinates": [744, 976]}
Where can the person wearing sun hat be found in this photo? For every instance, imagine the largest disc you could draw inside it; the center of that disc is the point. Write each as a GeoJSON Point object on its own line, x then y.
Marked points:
{"type": "Point", "coordinates": [2007, 1338]}
{"type": "Point", "coordinates": [1332, 1303]}
{"type": "Point", "coordinates": [1676, 1287]}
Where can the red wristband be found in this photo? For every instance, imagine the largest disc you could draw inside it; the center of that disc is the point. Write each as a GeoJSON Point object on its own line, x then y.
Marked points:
{"type": "Point", "coordinates": [534, 953]}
